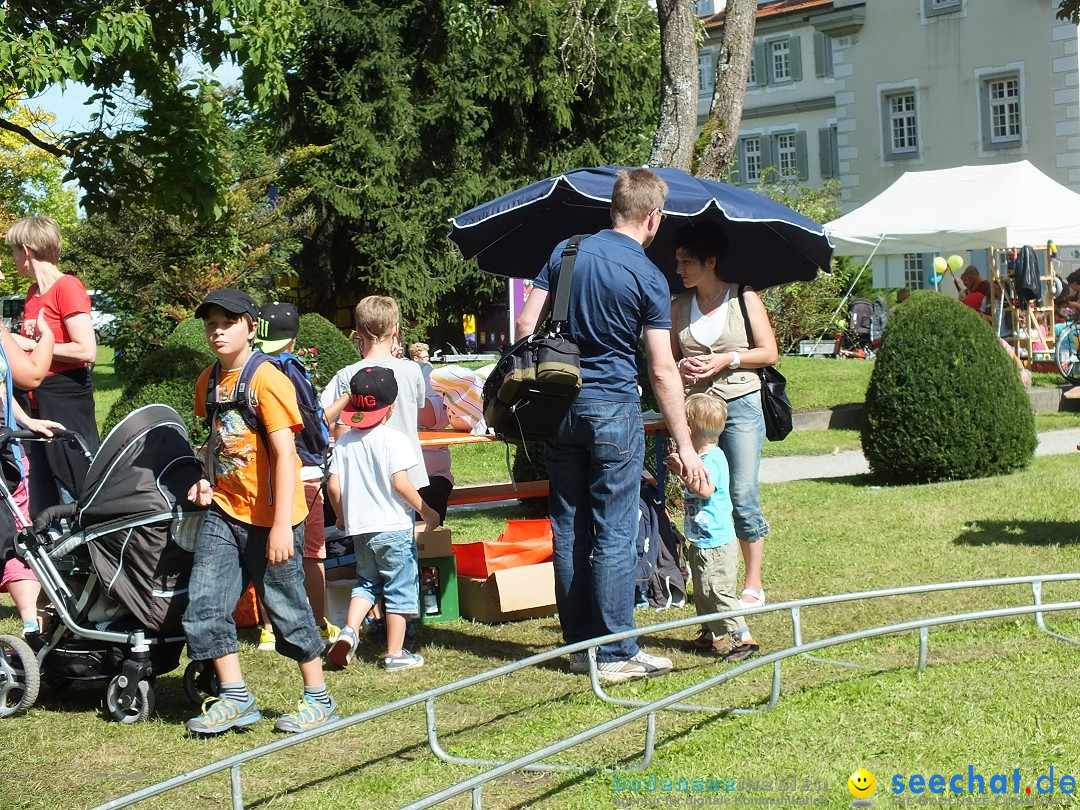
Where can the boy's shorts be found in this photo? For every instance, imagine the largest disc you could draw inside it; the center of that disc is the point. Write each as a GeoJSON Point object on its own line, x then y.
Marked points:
{"type": "Point", "coordinates": [315, 525]}
{"type": "Point", "coordinates": [386, 567]}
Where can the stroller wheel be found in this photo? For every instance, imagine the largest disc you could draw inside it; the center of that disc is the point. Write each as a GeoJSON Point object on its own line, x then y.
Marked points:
{"type": "Point", "coordinates": [20, 677]}
{"type": "Point", "coordinates": [142, 704]}
{"type": "Point", "coordinates": [201, 681]}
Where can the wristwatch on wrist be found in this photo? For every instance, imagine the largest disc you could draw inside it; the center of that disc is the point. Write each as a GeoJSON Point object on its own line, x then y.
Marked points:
{"type": "Point", "coordinates": [736, 361]}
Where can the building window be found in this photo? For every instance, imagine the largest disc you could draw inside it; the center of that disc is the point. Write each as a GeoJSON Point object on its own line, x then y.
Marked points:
{"type": "Point", "coordinates": [787, 158]}
{"type": "Point", "coordinates": [913, 271]}
{"type": "Point", "coordinates": [751, 77]}
{"type": "Point", "coordinates": [704, 8]}
{"type": "Point", "coordinates": [1002, 100]}
{"type": "Point", "coordinates": [934, 8]}
{"type": "Point", "coordinates": [779, 61]}
{"type": "Point", "coordinates": [706, 74]}
{"type": "Point", "coordinates": [751, 159]}
{"type": "Point", "coordinates": [900, 125]}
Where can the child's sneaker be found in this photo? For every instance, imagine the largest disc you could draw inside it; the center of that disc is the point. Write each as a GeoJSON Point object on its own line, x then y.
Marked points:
{"type": "Point", "coordinates": [267, 639]}
{"type": "Point", "coordinates": [222, 713]}
{"type": "Point", "coordinates": [407, 660]}
{"type": "Point", "coordinates": [376, 628]}
{"type": "Point", "coordinates": [341, 653]}
{"type": "Point", "coordinates": [329, 631]}
{"type": "Point", "coordinates": [579, 662]}
{"type": "Point", "coordinates": [311, 713]}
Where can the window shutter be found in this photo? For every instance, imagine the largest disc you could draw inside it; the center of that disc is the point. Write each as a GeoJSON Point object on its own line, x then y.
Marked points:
{"type": "Point", "coordinates": [821, 65]}
{"type": "Point", "coordinates": [796, 58]}
{"type": "Point", "coordinates": [766, 152]}
{"type": "Point", "coordinates": [800, 155]}
{"type": "Point", "coordinates": [760, 64]}
{"type": "Point", "coordinates": [825, 153]}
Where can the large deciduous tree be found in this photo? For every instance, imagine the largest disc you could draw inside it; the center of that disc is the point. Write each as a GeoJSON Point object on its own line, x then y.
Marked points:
{"type": "Point", "coordinates": [159, 135]}
{"type": "Point", "coordinates": [721, 132]}
{"type": "Point", "coordinates": [676, 130]}
{"type": "Point", "coordinates": [421, 110]}
{"type": "Point", "coordinates": [1069, 10]}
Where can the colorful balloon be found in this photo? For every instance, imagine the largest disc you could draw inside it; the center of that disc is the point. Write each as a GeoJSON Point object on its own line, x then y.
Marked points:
{"type": "Point", "coordinates": [956, 262]}
{"type": "Point", "coordinates": [940, 264]}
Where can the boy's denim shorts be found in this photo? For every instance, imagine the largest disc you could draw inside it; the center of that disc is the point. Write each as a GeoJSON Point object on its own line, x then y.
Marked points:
{"type": "Point", "coordinates": [386, 567]}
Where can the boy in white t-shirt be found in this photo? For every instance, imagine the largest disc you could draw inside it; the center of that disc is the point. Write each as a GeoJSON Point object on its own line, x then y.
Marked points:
{"type": "Point", "coordinates": [374, 499]}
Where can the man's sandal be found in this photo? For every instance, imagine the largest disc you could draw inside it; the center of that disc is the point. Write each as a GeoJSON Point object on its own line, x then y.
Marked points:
{"type": "Point", "coordinates": [757, 598]}
{"type": "Point", "coordinates": [742, 651]}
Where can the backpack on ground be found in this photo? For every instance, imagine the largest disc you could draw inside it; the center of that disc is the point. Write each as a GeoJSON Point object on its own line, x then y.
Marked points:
{"type": "Point", "coordinates": [312, 443]}
{"type": "Point", "coordinates": [660, 582]}
{"type": "Point", "coordinates": [531, 389]}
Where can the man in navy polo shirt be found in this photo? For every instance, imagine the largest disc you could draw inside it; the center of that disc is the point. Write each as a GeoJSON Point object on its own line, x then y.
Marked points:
{"type": "Point", "coordinates": [596, 456]}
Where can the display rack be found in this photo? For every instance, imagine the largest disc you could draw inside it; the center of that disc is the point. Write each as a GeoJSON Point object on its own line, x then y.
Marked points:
{"type": "Point", "coordinates": [1029, 330]}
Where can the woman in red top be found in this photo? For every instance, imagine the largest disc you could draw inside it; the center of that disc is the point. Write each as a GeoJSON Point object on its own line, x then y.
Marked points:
{"type": "Point", "coordinates": [66, 394]}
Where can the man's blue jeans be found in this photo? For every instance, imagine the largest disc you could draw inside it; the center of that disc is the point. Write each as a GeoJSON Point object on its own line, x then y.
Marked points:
{"type": "Point", "coordinates": [594, 465]}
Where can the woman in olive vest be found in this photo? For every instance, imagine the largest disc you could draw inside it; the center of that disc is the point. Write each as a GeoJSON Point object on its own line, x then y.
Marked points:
{"type": "Point", "coordinates": [710, 341]}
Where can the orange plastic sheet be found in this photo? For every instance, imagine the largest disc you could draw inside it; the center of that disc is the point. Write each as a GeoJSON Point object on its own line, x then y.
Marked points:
{"type": "Point", "coordinates": [523, 542]}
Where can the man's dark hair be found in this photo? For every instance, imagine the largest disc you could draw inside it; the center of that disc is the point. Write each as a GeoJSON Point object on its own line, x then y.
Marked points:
{"type": "Point", "coordinates": [1073, 277]}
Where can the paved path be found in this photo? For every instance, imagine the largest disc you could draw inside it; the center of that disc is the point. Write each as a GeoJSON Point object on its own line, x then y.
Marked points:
{"type": "Point", "coordinates": [852, 462]}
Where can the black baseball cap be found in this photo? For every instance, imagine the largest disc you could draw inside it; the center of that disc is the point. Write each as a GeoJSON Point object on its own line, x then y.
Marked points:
{"type": "Point", "coordinates": [233, 301]}
{"type": "Point", "coordinates": [278, 324]}
{"type": "Point", "coordinates": [372, 393]}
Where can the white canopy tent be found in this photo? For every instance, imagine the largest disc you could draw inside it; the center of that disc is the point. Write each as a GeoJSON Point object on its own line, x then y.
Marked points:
{"type": "Point", "coordinates": [966, 208]}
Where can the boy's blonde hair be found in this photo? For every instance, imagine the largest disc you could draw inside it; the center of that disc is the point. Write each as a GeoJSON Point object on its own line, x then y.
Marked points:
{"type": "Point", "coordinates": [706, 415]}
{"type": "Point", "coordinates": [637, 193]}
{"type": "Point", "coordinates": [417, 349]}
{"type": "Point", "coordinates": [40, 234]}
{"type": "Point", "coordinates": [377, 316]}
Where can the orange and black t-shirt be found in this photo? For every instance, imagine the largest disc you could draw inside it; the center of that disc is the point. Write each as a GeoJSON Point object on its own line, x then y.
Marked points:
{"type": "Point", "coordinates": [242, 461]}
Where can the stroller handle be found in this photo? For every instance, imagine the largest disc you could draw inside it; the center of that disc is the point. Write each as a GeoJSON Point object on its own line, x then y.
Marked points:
{"type": "Point", "coordinates": [8, 435]}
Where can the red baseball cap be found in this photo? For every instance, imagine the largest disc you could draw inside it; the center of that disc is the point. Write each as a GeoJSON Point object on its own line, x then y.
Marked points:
{"type": "Point", "coordinates": [373, 391]}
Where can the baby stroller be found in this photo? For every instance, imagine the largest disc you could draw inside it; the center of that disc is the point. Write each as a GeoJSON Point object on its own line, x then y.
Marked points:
{"type": "Point", "coordinates": [114, 567]}
{"type": "Point", "coordinates": [866, 323]}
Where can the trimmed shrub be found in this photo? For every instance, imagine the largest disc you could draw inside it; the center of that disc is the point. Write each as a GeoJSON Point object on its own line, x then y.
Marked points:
{"type": "Point", "coordinates": [945, 400]}
{"type": "Point", "coordinates": [168, 374]}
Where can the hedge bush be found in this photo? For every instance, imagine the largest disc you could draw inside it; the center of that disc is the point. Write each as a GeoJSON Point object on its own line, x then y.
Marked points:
{"type": "Point", "coordinates": [945, 400]}
{"type": "Point", "coordinates": [168, 374]}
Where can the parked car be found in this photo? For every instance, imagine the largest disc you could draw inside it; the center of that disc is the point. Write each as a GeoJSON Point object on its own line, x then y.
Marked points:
{"type": "Point", "coordinates": [102, 316]}
{"type": "Point", "coordinates": [12, 311]}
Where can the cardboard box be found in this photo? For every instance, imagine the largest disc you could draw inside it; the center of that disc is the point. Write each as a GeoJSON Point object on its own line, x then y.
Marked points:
{"type": "Point", "coordinates": [527, 592]}
{"type": "Point", "coordinates": [435, 543]}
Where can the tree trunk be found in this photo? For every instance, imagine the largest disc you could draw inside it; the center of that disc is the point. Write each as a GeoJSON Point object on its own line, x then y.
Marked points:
{"type": "Point", "coordinates": [732, 71]}
{"type": "Point", "coordinates": [676, 131]}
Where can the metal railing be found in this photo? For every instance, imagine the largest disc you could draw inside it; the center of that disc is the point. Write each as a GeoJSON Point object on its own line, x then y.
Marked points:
{"type": "Point", "coordinates": [532, 761]}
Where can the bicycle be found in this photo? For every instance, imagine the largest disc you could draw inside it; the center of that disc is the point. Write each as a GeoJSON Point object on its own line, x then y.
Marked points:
{"type": "Point", "coordinates": [1067, 352]}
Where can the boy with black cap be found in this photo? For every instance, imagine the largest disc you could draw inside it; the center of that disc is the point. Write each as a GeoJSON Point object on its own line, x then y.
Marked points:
{"type": "Point", "coordinates": [253, 526]}
{"type": "Point", "coordinates": [279, 324]}
{"type": "Point", "coordinates": [372, 496]}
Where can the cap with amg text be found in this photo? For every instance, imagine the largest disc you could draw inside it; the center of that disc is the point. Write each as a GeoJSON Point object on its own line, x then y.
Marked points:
{"type": "Point", "coordinates": [372, 393]}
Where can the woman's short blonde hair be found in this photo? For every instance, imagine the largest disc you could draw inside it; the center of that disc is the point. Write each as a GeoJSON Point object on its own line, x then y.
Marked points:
{"type": "Point", "coordinates": [706, 415]}
{"type": "Point", "coordinates": [40, 234]}
{"type": "Point", "coordinates": [377, 316]}
{"type": "Point", "coordinates": [637, 193]}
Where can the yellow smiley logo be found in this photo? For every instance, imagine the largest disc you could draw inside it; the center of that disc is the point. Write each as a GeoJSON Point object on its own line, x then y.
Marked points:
{"type": "Point", "coordinates": [862, 784]}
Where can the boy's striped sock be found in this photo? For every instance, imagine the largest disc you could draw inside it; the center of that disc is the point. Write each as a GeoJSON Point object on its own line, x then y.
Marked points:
{"type": "Point", "coordinates": [319, 693]}
{"type": "Point", "coordinates": [236, 690]}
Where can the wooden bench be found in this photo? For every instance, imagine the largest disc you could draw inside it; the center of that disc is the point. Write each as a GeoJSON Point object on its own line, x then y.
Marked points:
{"type": "Point", "coordinates": [486, 493]}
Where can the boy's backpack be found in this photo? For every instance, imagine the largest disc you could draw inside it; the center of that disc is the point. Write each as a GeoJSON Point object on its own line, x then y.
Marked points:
{"type": "Point", "coordinates": [660, 579]}
{"type": "Point", "coordinates": [313, 442]}
{"type": "Point", "coordinates": [532, 387]}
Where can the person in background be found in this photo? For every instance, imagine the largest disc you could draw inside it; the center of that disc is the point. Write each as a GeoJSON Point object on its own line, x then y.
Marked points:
{"type": "Point", "coordinates": [279, 324]}
{"type": "Point", "coordinates": [436, 459]}
{"type": "Point", "coordinates": [67, 392]}
{"type": "Point", "coordinates": [974, 282]}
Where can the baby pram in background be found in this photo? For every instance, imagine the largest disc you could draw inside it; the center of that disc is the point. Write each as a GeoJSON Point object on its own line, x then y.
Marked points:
{"type": "Point", "coordinates": [116, 577]}
{"type": "Point", "coordinates": [866, 323]}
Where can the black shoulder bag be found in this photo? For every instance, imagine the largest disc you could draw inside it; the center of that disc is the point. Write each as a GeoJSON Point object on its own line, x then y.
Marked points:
{"type": "Point", "coordinates": [775, 404]}
{"type": "Point", "coordinates": [531, 389]}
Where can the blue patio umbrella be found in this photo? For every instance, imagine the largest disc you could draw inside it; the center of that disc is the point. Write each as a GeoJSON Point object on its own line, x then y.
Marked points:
{"type": "Point", "coordinates": [769, 243]}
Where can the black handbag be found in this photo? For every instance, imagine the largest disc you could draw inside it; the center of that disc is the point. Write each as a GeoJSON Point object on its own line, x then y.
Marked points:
{"type": "Point", "coordinates": [775, 404]}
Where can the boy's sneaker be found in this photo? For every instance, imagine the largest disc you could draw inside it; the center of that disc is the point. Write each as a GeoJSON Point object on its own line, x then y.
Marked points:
{"type": "Point", "coordinates": [341, 653]}
{"type": "Point", "coordinates": [579, 662]}
{"type": "Point", "coordinates": [267, 640]}
{"type": "Point", "coordinates": [407, 660]}
{"type": "Point", "coordinates": [641, 665]}
{"type": "Point", "coordinates": [329, 631]}
{"type": "Point", "coordinates": [311, 713]}
{"type": "Point", "coordinates": [376, 628]}
{"type": "Point", "coordinates": [221, 714]}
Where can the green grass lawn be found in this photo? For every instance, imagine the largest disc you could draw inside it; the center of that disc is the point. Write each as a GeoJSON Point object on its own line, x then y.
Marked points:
{"type": "Point", "coordinates": [107, 386]}
{"type": "Point", "coordinates": [995, 695]}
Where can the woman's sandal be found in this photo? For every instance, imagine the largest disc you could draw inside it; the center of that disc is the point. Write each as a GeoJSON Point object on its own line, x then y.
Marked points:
{"type": "Point", "coordinates": [757, 598]}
